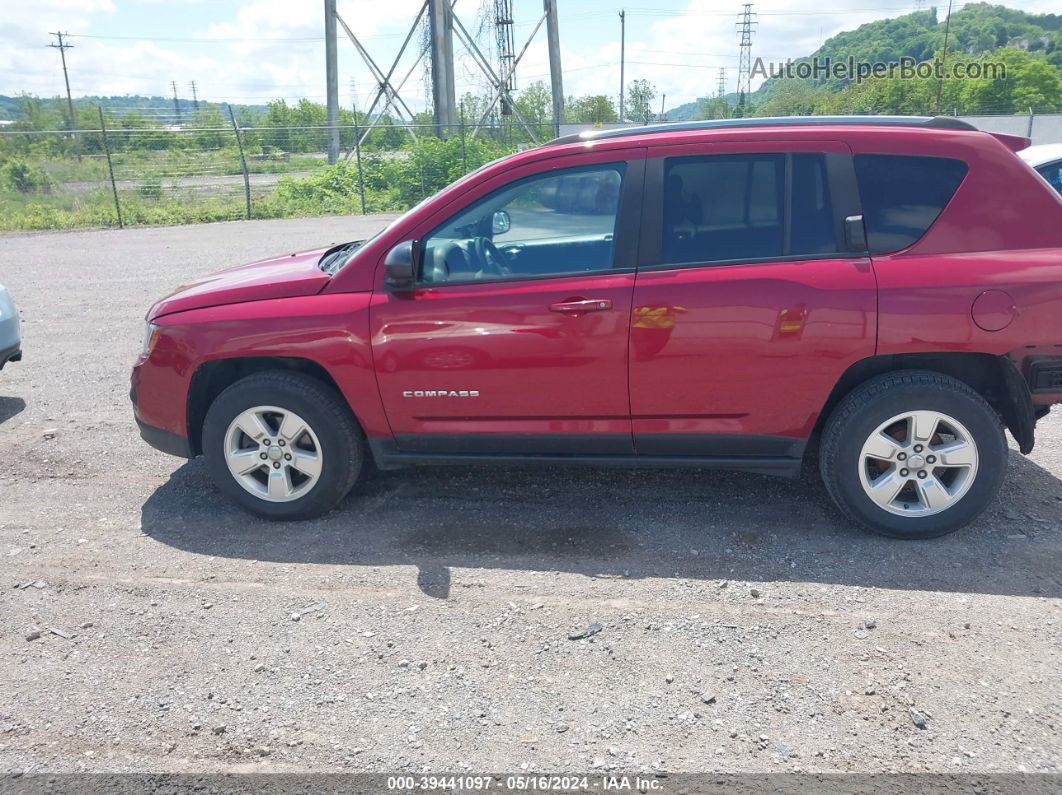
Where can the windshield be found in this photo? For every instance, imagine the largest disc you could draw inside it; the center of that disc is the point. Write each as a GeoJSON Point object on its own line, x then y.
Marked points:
{"type": "Point", "coordinates": [348, 254]}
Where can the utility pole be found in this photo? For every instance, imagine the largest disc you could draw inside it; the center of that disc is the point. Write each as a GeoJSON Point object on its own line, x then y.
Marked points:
{"type": "Point", "coordinates": [443, 91]}
{"type": "Point", "coordinates": [195, 96]}
{"type": "Point", "coordinates": [623, 36]}
{"type": "Point", "coordinates": [63, 47]}
{"type": "Point", "coordinates": [662, 98]}
{"type": "Point", "coordinates": [746, 25]}
{"type": "Point", "coordinates": [332, 80]}
{"type": "Point", "coordinates": [176, 102]}
{"type": "Point", "coordinates": [555, 79]}
{"type": "Point", "coordinates": [944, 57]}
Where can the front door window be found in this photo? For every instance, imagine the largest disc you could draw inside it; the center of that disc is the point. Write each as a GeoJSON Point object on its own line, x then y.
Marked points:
{"type": "Point", "coordinates": [547, 225]}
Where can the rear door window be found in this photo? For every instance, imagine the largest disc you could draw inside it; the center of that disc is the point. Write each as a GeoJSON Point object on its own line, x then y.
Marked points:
{"type": "Point", "coordinates": [728, 208]}
{"type": "Point", "coordinates": [903, 195]}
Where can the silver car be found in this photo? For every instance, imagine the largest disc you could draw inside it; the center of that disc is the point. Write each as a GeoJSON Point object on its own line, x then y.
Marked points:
{"type": "Point", "coordinates": [10, 340]}
{"type": "Point", "coordinates": [1047, 159]}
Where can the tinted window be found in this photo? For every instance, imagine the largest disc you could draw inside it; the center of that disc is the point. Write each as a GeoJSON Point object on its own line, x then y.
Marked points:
{"type": "Point", "coordinates": [563, 222]}
{"type": "Point", "coordinates": [1052, 172]}
{"type": "Point", "coordinates": [902, 196]}
{"type": "Point", "coordinates": [811, 230]}
{"type": "Point", "coordinates": [732, 207]}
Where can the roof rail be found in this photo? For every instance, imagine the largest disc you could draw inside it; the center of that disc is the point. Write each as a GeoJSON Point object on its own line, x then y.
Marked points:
{"type": "Point", "coordinates": [939, 122]}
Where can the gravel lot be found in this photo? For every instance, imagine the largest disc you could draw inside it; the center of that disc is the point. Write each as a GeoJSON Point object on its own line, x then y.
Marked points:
{"type": "Point", "coordinates": [424, 625]}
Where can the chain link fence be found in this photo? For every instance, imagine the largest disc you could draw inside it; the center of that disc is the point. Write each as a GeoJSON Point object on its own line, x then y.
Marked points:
{"type": "Point", "coordinates": [117, 174]}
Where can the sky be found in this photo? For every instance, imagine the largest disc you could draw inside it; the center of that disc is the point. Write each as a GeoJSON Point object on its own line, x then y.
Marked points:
{"type": "Point", "coordinates": [252, 51]}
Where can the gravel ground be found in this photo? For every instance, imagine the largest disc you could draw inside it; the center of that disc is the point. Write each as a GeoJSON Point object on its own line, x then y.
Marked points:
{"type": "Point", "coordinates": [424, 625]}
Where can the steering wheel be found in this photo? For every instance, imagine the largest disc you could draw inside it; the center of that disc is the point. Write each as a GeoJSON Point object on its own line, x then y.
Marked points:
{"type": "Point", "coordinates": [490, 257]}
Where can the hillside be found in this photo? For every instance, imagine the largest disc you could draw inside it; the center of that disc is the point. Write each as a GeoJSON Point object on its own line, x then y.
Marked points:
{"type": "Point", "coordinates": [10, 108]}
{"type": "Point", "coordinates": [976, 29]}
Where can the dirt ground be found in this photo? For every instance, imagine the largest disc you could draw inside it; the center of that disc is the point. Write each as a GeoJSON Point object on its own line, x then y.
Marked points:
{"type": "Point", "coordinates": [423, 626]}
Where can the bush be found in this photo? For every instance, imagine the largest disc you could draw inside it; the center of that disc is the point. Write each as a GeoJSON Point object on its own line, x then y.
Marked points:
{"type": "Point", "coordinates": [25, 178]}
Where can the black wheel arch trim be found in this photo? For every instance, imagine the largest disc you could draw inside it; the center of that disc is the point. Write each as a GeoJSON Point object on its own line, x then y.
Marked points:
{"type": "Point", "coordinates": [1018, 412]}
{"type": "Point", "coordinates": [996, 378]}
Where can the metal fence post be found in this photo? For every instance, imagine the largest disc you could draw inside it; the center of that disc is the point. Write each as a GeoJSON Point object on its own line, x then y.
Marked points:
{"type": "Point", "coordinates": [243, 163]}
{"type": "Point", "coordinates": [1028, 132]}
{"type": "Point", "coordinates": [464, 154]}
{"type": "Point", "coordinates": [357, 155]}
{"type": "Point", "coordinates": [110, 168]}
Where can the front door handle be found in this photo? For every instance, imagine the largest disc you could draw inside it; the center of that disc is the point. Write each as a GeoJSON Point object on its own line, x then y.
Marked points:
{"type": "Point", "coordinates": [579, 306]}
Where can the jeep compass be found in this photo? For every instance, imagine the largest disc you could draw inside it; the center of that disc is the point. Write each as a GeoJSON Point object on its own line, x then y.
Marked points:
{"type": "Point", "coordinates": [881, 296]}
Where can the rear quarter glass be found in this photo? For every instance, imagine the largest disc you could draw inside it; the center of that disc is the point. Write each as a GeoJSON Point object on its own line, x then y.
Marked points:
{"type": "Point", "coordinates": [902, 195]}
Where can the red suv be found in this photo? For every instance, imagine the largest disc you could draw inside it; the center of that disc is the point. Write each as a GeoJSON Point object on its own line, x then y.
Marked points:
{"type": "Point", "coordinates": [884, 291]}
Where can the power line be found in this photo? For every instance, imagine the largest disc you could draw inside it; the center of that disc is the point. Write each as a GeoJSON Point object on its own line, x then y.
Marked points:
{"type": "Point", "coordinates": [661, 12]}
{"type": "Point", "coordinates": [203, 39]}
{"type": "Point", "coordinates": [940, 81]}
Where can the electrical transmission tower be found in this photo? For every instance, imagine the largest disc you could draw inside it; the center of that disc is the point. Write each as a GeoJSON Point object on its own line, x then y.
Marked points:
{"type": "Point", "coordinates": [506, 42]}
{"type": "Point", "coordinates": [746, 26]}
{"type": "Point", "coordinates": [443, 26]}
{"type": "Point", "coordinates": [720, 90]}
{"type": "Point", "coordinates": [63, 47]}
{"type": "Point", "coordinates": [195, 96]}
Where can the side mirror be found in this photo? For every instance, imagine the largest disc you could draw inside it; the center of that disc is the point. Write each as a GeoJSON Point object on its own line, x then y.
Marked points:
{"type": "Point", "coordinates": [501, 223]}
{"type": "Point", "coordinates": [401, 265]}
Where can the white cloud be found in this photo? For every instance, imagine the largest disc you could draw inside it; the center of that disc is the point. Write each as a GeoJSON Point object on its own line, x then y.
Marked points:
{"type": "Point", "coordinates": [268, 48]}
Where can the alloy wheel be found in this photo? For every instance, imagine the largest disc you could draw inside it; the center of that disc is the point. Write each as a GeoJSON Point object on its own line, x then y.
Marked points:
{"type": "Point", "coordinates": [918, 463]}
{"type": "Point", "coordinates": [273, 453]}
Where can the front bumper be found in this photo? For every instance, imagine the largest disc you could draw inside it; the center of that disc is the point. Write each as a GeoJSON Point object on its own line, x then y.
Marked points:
{"type": "Point", "coordinates": [11, 354]}
{"type": "Point", "coordinates": [162, 440]}
{"type": "Point", "coordinates": [165, 441]}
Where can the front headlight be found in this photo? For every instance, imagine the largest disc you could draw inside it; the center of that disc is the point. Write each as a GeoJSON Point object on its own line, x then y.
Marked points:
{"type": "Point", "coordinates": [151, 338]}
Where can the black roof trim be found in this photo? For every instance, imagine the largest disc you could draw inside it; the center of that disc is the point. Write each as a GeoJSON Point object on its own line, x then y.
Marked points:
{"type": "Point", "coordinates": [938, 122]}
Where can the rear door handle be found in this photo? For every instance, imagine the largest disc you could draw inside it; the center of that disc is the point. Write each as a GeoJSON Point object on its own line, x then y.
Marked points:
{"type": "Point", "coordinates": [578, 306]}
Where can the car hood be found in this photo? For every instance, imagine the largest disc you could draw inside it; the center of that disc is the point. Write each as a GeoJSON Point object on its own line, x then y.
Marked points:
{"type": "Point", "coordinates": [288, 276]}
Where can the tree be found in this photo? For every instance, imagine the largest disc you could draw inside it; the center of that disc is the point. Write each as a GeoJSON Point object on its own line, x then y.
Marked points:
{"type": "Point", "coordinates": [713, 108]}
{"type": "Point", "coordinates": [1031, 82]}
{"type": "Point", "coordinates": [640, 95]}
{"type": "Point", "coordinates": [597, 109]}
{"type": "Point", "coordinates": [793, 98]}
{"type": "Point", "coordinates": [535, 103]}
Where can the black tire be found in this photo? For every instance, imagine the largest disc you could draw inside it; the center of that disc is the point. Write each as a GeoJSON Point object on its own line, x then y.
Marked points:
{"type": "Point", "coordinates": [342, 448]}
{"type": "Point", "coordinates": [875, 402]}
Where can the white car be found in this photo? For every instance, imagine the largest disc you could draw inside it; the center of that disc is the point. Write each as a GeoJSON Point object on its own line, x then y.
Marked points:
{"type": "Point", "coordinates": [1047, 160]}
{"type": "Point", "coordinates": [10, 340]}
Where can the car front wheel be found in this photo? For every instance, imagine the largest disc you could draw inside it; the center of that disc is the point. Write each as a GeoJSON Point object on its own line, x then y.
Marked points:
{"type": "Point", "coordinates": [913, 454]}
{"type": "Point", "coordinates": [283, 445]}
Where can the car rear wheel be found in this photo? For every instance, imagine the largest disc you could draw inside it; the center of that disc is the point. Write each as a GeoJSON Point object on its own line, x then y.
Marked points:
{"type": "Point", "coordinates": [283, 445]}
{"type": "Point", "coordinates": [913, 454]}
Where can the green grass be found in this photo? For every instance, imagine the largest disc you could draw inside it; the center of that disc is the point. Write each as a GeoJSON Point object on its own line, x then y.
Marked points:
{"type": "Point", "coordinates": [170, 163]}
{"type": "Point", "coordinates": [20, 212]}
{"type": "Point", "coordinates": [155, 193]}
